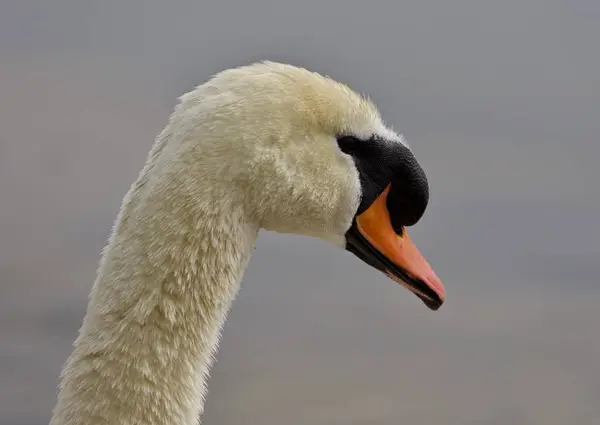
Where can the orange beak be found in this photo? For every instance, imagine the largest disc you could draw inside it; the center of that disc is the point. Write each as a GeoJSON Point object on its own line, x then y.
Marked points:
{"type": "Point", "coordinates": [374, 240]}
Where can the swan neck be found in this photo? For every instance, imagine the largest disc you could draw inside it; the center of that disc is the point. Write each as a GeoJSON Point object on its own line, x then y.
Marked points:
{"type": "Point", "coordinates": [164, 286]}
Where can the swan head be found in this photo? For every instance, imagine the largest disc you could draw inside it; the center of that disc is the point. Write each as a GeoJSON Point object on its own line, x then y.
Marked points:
{"type": "Point", "coordinates": [305, 154]}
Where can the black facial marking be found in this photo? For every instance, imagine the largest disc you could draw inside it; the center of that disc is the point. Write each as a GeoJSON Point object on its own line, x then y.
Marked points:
{"type": "Point", "coordinates": [381, 162]}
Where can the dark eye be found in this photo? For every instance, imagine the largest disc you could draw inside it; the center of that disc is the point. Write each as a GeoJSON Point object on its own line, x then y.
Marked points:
{"type": "Point", "coordinates": [348, 144]}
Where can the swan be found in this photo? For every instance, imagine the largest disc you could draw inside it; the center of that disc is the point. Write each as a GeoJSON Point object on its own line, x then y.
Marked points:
{"type": "Point", "coordinates": [267, 146]}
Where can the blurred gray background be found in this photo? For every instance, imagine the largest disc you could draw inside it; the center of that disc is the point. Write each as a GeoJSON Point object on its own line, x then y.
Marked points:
{"type": "Point", "coordinates": [500, 101]}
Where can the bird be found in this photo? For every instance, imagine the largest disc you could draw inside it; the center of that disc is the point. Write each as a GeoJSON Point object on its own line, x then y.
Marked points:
{"type": "Point", "coordinates": [261, 146]}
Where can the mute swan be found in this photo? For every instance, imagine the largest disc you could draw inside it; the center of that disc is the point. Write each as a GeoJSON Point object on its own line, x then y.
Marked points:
{"type": "Point", "coordinates": [265, 145]}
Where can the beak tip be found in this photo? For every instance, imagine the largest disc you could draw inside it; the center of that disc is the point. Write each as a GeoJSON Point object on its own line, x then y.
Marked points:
{"type": "Point", "coordinates": [433, 304]}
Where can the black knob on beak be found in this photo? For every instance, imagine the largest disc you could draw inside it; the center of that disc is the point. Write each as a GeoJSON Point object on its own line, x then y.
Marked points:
{"type": "Point", "coordinates": [409, 192]}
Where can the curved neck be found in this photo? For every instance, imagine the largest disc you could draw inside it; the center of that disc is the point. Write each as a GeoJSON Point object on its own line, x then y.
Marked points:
{"type": "Point", "coordinates": [166, 281]}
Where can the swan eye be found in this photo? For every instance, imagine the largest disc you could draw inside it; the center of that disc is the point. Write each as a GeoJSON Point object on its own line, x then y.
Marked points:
{"type": "Point", "coordinates": [348, 144]}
